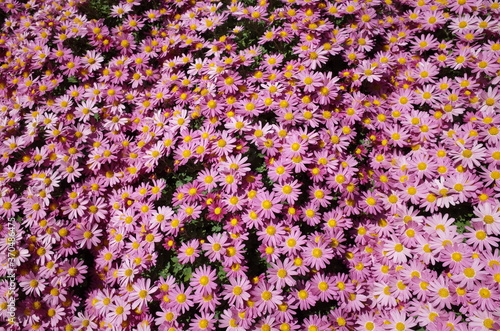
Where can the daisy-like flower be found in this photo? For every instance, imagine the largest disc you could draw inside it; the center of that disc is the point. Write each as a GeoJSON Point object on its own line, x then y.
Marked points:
{"type": "Point", "coordinates": [384, 295]}
{"type": "Point", "coordinates": [397, 252]}
{"type": "Point", "coordinates": [371, 203]}
{"type": "Point", "coordinates": [403, 100]}
{"type": "Point", "coordinates": [440, 295]}
{"type": "Point", "coordinates": [491, 99]}
{"type": "Point", "coordinates": [483, 320]}
{"type": "Point", "coordinates": [288, 191]}
{"type": "Point", "coordinates": [470, 157]}
{"type": "Point", "coordinates": [266, 297]}
{"type": "Point", "coordinates": [180, 298]}
{"type": "Point", "coordinates": [323, 287]}
{"type": "Point", "coordinates": [127, 272]}
{"type": "Point", "coordinates": [141, 294]}
{"type": "Point", "coordinates": [189, 251]}
{"type": "Point", "coordinates": [368, 71]}
{"type": "Point", "coordinates": [486, 64]}
{"type": "Point", "coordinates": [203, 280]}
{"type": "Point", "coordinates": [318, 254]}
{"type": "Point", "coordinates": [272, 234]}
{"type": "Point", "coordinates": [97, 209]}
{"type": "Point", "coordinates": [56, 314]}
{"type": "Point", "coordinates": [400, 321]}
{"type": "Point", "coordinates": [456, 257]}
{"type": "Point", "coordinates": [267, 204]}
{"type": "Point", "coordinates": [238, 291]}
{"type": "Point", "coordinates": [9, 206]}
{"type": "Point", "coordinates": [304, 296]}
{"type": "Point", "coordinates": [489, 215]}
{"type": "Point", "coordinates": [281, 273]}
{"type": "Point", "coordinates": [238, 164]}
{"type": "Point", "coordinates": [202, 322]}
{"type": "Point", "coordinates": [469, 277]}
{"type": "Point", "coordinates": [207, 178]}
{"type": "Point", "coordinates": [484, 297]}
{"type": "Point", "coordinates": [280, 171]}
{"type": "Point", "coordinates": [293, 243]}
{"type": "Point", "coordinates": [32, 283]}
{"type": "Point", "coordinates": [118, 311]}
{"type": "Point", "coordinates": [215, 246]}
{"type": "Point", "coordinates": [234, 252]}
{"type": "Point", "coordinates": [477, 237]}
{"type": "Point", "coordinates": [84, 321]}
{"type": "Point", "coordinates": [88, 236]}
{"type": "Point", "coordinates": [316, 58]}
{"type": "Point", "coordinates": [424, 43]}
{"type": "Point", "coordinates": [230, 320]}
{"type": "Point", "coordinates": [398, 136]}
{"type": "Point", "coordinates": [309, 80]}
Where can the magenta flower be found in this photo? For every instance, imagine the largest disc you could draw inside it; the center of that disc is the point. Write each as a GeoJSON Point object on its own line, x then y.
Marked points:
{"type": "Point", "coordinates": [317, 255]}
{"type": "Point", "coordinates": [266, 297]}
{"type": "Point", "coordinates": [237, 293]}
{"type": "Point", "coordinates": [267, 204]}
{"type": "Point", "coordinates": [203, 280]}
{"type": "Point", "coordinates": [281, 273]}
{"type": "Point", "coordinates": [141, 294]}
{"type": "Point", "coordinates": [188, 252]}
{"type": "Point", "coordinates": [180, 298]}
{"type": "Point", "coordinates": [32, 283]}
{"type": "Point", "coordinates": [118, 311]}
{"type": "Point", "coordinates": [88, 236]}
{"type": "Point", "coordinates": [489, 216]}
{"type": "Point", "coordinates": [330, 151]}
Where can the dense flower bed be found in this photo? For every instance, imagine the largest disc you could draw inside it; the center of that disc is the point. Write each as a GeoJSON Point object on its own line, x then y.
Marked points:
{"type": "Point", "coordinates": [270, 165]}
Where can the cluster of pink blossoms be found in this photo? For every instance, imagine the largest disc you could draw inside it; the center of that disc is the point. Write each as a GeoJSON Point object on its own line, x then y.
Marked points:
{"type": "Point", "coordinates": [251, 165]}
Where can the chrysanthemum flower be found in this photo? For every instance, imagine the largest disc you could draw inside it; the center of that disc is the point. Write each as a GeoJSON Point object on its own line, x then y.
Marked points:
{"type": "Point", "coordinates": [266, 297]}
{"type": "Point", "coordinates": [282, 272]}
{"type": "Point", "coordinates": [203, 279]}
{"type": "Point", "coordinates": [489, 215]}
{"type": "Point", "coordinates": [188, 251]}
{"type": "Point", "coordinates": [141, 294]}
{"type": "Point", "coordinates": [237, 293]}
{"type": "Point", "coordinates": [118, 311]}
{"type": "Point", "coordinates": [317, 254]}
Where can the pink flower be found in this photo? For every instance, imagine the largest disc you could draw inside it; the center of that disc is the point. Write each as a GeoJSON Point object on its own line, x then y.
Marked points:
{"type": "Point", "coordinates": [189, 251]}
{"type": "Point", "coordinates": [281, 273]}
{"type": "Point", "coordinates": [237, 292]}
{"type": "Point", "coordinates": [489, 216]}
{"type": "Point", "coordinates": [87, 235]}
{"type": "Point", "coordinates": [118, 311]}
{"type": "Point", "coordinates": [317, 254]}
{"type": "Point", "coordinates": [266, 297]}
{"type": "Point", "coordinates": [141, 294]}
{"type": "Point", "coordinates": [203, 280]}
{"type": "Point", "coordinates": [268, 204]}
{"type": "Point", "coordinates": [32, 283]}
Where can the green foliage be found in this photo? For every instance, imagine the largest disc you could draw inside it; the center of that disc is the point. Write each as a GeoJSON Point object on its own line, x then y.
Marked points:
{"type": "Point", "coordinates": [72, 79]}
{"type": "Point", "coordinates": [98, 9]}
{"type": "Point", "coordinates": [462, 213]}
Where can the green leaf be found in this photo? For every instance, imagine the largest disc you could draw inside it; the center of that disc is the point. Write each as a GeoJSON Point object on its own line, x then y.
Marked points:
{"type": "Point", "coordinates": [187, 272]}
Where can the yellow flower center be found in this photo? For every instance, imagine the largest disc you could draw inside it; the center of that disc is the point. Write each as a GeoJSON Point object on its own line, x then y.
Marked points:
{"type": "Point", "coordinates": [488, 219]}
{"type": "Point", "coordinates": [317, 253]}
{"type": "Point", "coordinates": [237, 290]}
{"type": "Point", "coordinates": [484, 293]}
{"type": "Point", "coordinates": [457, 257]}
{"type": "Point", "coordinates": [204, 280]}
{"type": "Point", "coordinates": [266, 295]}
{"type": "Point", "coordinates": [266, 204]}
{"type": "Point", "coordinates": [303, 294]}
